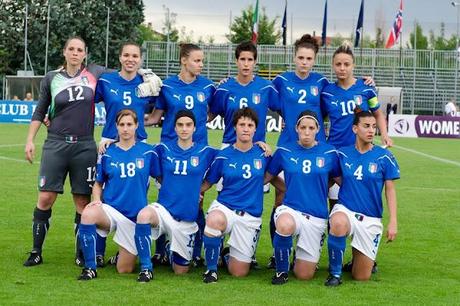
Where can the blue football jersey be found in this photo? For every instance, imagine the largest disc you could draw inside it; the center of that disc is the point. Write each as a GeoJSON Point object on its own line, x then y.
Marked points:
{"type": "Point", "coordinates": [182, 172]}
{"type": "Point", "coordinates": [339, 105]}
{"type": "Point", "coordinates": [295, 96]}
{"type": "Point", "coordinates": [176, 95]}
{"type": "Point", "coordinates": [259, 94]}
{"type": "Point", "coordinates": [243, 178]}
{"type": "Point", "coordinates": [306, 174]}
{"type": "Point", "coordinates": [117, 94]}
{"type": "Point", "coordinates": [363, 178]}
{"type": "Point", "coordinates": [125, 177]}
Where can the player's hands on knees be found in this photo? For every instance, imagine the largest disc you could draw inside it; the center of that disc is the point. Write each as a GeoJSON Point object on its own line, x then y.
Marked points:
{"type": "Point", "coordinates": [387, 141]}
{"type": "Point", "coordinates": [94, 203]}
{"type": "Point", "coordinates": [30, 151]}
{"type": "Point", "coordinates": [369, 81]}
{"type": "Point", "coordinates": [104, 145]}
{"type": "Point", "coordinates": [151, 86]}
{"type": "Point", "coordinates": [265, 147]}
{"type": "Point", "coordinates": [392, 231]}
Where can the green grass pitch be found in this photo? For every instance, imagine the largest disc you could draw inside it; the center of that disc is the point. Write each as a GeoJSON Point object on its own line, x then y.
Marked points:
{"type": "Point", "coordinates": [421, 267]}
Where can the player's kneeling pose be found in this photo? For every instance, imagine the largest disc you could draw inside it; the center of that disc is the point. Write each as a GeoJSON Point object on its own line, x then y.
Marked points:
{"type": "Point", "coordinates": [366, 168]}
{"type": "Point", "coordinates": [120, 192]}
{"type": "Point", "coordinates": [238, 208]}
{"type": "Point", "coordinates": [182, 164]}
{"type": "Point", "coordinates": [307, 164]}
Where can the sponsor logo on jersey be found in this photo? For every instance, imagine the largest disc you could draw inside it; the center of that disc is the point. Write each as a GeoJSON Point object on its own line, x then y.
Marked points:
{"type": "Point", "coordinates": [256, 98]}
{"type": "Point", "coordinates": [139, 163]}
{"type": "Point", "coordinates": [314, 90]}
{"type": "Point", "coordinates": [194, 161]}
{"type": "Point", "coordinates": [232, 165]}
{"type": "Point", "coordinates": [85, 80]}
{"type": "Point", "coordinates": [336, 102]}
{"type": "Point", "coordinates": [258, 164]}
{"type": "Point", "coordinates": [232, 98]}
{"type": "Point", "coordinates": [320, 162]}
{"type": "Point", "coordinates": [200, 96]}
{"type": "Point", "coordinates": [348, 165]}
{"type": "Point", "coordinates": [372, 167]}
{"type": "Point", "coordinates": [295, 160]}
{"type": "Point", "coordinates": [291, 89]}
{"type": "Point", "coordinates": [176, 96]}
{"type": "Point", "coordinates": [115, 91]}
{"type": "Point", "coordinates": [358, 100]}
{"type": "Point", "coordinates": [41, 181]}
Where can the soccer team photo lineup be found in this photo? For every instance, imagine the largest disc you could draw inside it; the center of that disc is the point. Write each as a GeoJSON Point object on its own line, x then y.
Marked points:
{"type": "Point", "coordinates": [270, 177]}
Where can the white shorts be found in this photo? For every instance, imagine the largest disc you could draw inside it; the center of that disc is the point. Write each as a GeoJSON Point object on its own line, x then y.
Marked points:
{"type": "Point", "coordinates": [309, 231]}
{"type": "Point", "coordinates": [334, 192]}
{"type": "Point", "coordinates": [366, 231]}
{"type": "Point", "coordinates": [123, 227]}
{"type": "Point", "coordinates": [244, 230]}
{"type": "Point", "coordinates": [181, 233]}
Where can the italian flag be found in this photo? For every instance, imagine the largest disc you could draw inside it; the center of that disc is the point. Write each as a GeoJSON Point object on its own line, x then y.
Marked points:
{"type": "Point", "coordinates": [255, 23]}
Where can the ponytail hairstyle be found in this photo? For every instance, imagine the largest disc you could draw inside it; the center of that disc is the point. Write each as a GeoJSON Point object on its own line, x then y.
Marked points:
{"type": "Point", "coordinates": [308, 42]}
{"type": "Point", "coordinates": [186, 48]}
{"type": "Point", "coordinates": [64, 65]}
{"type": "Point", "coordinates": [346, 48]}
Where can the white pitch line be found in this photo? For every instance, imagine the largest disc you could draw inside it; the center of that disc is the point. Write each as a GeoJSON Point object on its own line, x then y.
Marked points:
{"type": "Point", "coordinates": [429, 188]}
{"type": "Point", "coordinates": [12, 145]}
{"type": "Point", "coordinates": [447, 161]}
{"type": "Point", "coordinates": [13, 159]}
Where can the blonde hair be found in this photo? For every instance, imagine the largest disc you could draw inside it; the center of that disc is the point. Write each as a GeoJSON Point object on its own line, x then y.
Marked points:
{"type": "Point", "coordinates": [346, 48]}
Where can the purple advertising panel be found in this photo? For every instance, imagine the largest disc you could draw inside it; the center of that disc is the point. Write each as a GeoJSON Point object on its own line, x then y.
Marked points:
{"type": "Point", "coordinates": [437, 126]}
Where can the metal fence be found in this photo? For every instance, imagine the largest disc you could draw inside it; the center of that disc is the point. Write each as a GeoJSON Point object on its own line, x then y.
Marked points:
{"type": "Point", "coordinates": [428, 77]}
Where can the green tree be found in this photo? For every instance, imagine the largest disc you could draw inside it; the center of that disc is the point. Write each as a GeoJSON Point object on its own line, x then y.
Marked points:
{"type": "Point", "coordinates": [87, 19]}
{"type": "Point", "coordinates": [148, 34]}
{"type": "Point", "coordinates": [441, 42]}
{"type": "Point", "coordinates": [241, 28]}
{"type": "Point", "coordinates": [418, 40]}
{"type": "Point", "coordinates": [169, 26]}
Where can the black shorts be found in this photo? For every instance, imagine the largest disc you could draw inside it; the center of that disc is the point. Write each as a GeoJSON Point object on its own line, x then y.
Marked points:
{"type": "Point", "coordinates": [72, 155]}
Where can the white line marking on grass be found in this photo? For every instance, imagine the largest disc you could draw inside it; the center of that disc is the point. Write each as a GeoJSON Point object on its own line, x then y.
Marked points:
{"type": "Point", "coordinates": [429, 188]}
{"type": "Point", "coordinates": [447, 161]}
{"type": "Point", "coordinates": [13, 159]}
{"type": "Point", "coordinates": [12, 145]}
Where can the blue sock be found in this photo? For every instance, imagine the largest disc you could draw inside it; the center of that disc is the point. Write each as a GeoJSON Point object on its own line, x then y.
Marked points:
{"type": "Point", "coordinates": [143, 244]}
{"type": "Point", "coordinates": [100, 245]}
{"type": "Point", "coordinates": [87, 236]}
{"type": "Point", "coordinates": [211, 251]}
{"type": "Point", "coordinates": [336, 247]}
{"type": "Point", "coordinates": [282, 246]}
{"type": "Point", "coordinates": [272, 225]}
{"type": "Point", "coordinates": [199, 235]}
{"type": "Point", "coordinates": [160, 245]}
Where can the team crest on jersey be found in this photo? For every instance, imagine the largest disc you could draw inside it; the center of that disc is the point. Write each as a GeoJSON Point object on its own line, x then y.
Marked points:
{"type": "Point", "coordinates": [258, 164]}
{"type": "Point", "coordinates": [256, 98]}
{"type": "Point", "coordinates": [320, 162]}
{"type": "Point", "coordinates": [200, 96]}
{"type": "Point", "coordinates": [314, 90]}
{"type": "Point", "coordinates": [358, 100]}
{"type": "Point", "coordinates": [84, 80]}
{"type": "Point", "coordinates": [139, 163]}
{"type": "Point", "coordinates": [194, 161]}
{"type": "Point", "coordinates": [373, 167]}
{"type": "Point", "coordinates": [41, 181]}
